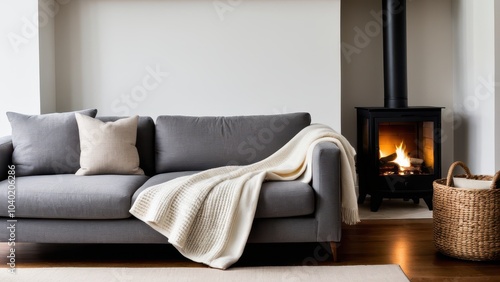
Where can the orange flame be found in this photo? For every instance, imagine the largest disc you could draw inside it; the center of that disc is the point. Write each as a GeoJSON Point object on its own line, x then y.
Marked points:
{"type": "Point", "coordinates": [402, 159]}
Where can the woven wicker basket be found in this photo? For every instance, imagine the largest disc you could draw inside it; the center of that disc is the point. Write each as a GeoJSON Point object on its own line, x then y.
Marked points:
{"type": "Point", "coordinates": [467, 221]}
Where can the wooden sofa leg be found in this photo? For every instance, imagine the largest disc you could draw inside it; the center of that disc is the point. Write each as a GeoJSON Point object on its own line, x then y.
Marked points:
{"type": "Point", "coordinates": [333, 247]}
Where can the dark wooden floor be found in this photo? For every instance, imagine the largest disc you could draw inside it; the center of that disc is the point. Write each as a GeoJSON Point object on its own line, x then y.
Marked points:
{"type": "Point", "coordinates": [404, 242]}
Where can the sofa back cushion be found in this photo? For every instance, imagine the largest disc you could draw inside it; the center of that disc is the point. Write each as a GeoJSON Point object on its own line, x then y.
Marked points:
{"type": "Point", "coordinates": [198, 143]}
{"type": "Point", "coordinates": [145, 142]}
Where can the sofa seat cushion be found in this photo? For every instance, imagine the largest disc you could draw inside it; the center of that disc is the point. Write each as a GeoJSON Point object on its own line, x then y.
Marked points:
{"type": "Point", "coordinates": [276, 199]}
{"type": "Point", "coordinates": [68, 196]}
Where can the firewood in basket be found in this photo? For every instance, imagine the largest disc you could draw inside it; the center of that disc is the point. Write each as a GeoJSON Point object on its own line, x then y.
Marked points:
{"type": "Point", "coordinates": [388, 158]}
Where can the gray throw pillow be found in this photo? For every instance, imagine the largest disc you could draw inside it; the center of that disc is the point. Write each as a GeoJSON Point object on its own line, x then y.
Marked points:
{"type": "Point", "coordinates": [46, 144]}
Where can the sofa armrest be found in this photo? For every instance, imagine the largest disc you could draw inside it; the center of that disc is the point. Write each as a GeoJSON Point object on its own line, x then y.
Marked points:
{"type": "Point", "coordinates": [6, 150]}
{"type": "Point", "coordinates": [326, 185]}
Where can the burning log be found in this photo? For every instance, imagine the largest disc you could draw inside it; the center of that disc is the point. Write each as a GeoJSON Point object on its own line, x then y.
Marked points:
{"type": "Point", "coordinates": [388, 158]}
{"type": "Point", "coordinates": [389, 168]}
{"type": "Point", "coordinates": [400, 162]}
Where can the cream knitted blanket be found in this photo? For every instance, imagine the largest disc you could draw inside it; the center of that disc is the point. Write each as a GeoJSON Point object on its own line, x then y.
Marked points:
{"type": "Point", "coordinates": [208, 216]}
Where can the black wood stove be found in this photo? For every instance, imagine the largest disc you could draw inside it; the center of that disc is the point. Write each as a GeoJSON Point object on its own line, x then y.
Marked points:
{"type": "Point", "coordinates": [398, 147]}
{"type": "Point", "coordinates": [399, 153]}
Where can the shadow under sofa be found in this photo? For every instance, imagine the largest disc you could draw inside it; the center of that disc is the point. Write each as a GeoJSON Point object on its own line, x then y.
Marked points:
{"type": "Point", "coordinates": [66, 208]}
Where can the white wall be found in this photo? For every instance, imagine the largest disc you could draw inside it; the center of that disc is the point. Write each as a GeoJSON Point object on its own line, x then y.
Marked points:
{"type": "Point", "coordinates": [497, 84]}
{"type": "Point", "coordinates": [242, 65]}
{"type": "Point", "coordinates": [259, 57]}
{"type": "Point", "coordinates": [19, 60]}
{"type": "Point", "coordinates": [48, 10]}
{"type": "Point", "coordinates": [474, 84]}
{"type": "Point", "coordinates": [430, 62]}
{"type": "Point", "coordinates": [362, 61]}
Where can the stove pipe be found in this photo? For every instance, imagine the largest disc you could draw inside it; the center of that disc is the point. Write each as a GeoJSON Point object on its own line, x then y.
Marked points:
{"type": "Point", "coordinates": [395, 80]}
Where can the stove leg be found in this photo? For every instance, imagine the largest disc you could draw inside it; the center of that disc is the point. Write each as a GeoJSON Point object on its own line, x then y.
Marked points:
{"type": "Point", "coordinates": [428, 201]}
{"type": "Point", "coordinates": [375, 202]}
{"type": "Point", "coordinates": [361, 198]}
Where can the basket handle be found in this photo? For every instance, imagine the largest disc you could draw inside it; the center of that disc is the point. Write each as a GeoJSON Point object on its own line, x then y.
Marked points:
{"type": "Point", "coordinates": [449, 179]}
{"type": "Point", "coordinates": [496, 177]}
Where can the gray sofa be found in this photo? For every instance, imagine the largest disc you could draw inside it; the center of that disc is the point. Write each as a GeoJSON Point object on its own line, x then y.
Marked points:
{"type": "Point", "coordinates": [66, 208]}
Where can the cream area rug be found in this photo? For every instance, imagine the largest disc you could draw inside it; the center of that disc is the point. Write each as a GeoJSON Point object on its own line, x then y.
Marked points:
{"type": "Point", "coordinates": [361, 273]}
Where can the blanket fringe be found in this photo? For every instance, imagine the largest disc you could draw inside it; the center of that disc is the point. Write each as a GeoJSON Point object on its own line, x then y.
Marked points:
{"type": "Point", "coordinates": [350, 216]}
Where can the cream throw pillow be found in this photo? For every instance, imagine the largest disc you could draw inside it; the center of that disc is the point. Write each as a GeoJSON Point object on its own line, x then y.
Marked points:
{"type": "Point", "coordinates": [108, 148]}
